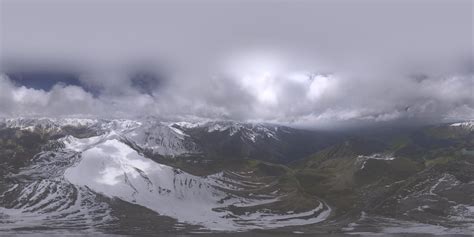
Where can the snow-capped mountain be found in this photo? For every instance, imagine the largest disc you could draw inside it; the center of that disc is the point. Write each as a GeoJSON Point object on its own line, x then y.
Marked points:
{"type": "Point", "coordinates": [250, 132]}
{"type": "Point", "coordinates": [154, 136]}
{"type": "Point", "coordinates": [45, 124]}
{"type": "Point", "coordinates": [76, 181]}
{"type": "Point", "coordinates": [151, 177]}
{"type": "Point", "coordinates": [114, 169]}
{"type": "Point", "coordinates": [162, 139]}
{"type": "Point", "coordinates": [211, 139]}
{"type": "Point", "coordinates": [254, 140]}
{"type": "Point", "coordinates": [468, 125]}
{"type": "Point", "coordinates": [60, 125]}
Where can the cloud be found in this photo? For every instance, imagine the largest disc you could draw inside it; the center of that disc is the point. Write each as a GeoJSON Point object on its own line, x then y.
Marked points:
{"type": "Point", "coordinates": [311, 63]}
{"type": "Point", "coordinates": [296, 99]}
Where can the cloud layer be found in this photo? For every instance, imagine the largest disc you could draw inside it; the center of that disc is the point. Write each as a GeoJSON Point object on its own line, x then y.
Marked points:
{"type": "Point", "coordinates": [309, 63]}
{"type": "Point", "coordinates": [296, 98]}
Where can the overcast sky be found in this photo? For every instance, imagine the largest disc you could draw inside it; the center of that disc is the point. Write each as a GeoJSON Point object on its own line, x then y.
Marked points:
{"type": "Point", "coordinates": [307, 63]}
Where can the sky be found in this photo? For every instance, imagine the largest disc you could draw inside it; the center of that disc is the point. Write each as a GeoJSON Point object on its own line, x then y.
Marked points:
{"type": "Point", "coordinates": [310, 63]}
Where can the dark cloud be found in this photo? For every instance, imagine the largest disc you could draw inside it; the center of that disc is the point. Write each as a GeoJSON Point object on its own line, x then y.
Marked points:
{"type": "Point", "coordinates": [310, 63]}
{"type": "Point", "coordinates": [43, 80]}
{"type": "Point", "coordinates": [46, 80]}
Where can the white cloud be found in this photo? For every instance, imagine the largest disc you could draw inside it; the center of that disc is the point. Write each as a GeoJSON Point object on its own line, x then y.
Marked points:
{"type": "Point", "coordinates": [289, 98]}
{"type": "Point", "coordinates": [319, 85]}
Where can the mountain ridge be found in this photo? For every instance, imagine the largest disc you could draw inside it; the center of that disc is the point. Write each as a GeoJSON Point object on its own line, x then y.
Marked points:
{"type": "Point", "coordinates": [228, 173]}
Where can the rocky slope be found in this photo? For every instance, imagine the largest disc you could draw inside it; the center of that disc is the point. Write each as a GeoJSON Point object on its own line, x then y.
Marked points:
{"type": "Point", "coordinates": [209, 140]}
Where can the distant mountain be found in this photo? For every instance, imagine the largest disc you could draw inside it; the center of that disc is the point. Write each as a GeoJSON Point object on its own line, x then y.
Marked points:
{"type": "Point", "coordinates": [207, 140]}
{"type": "Point", "coordinates": [75, 181]}
{"type": "Point", "coordinates": [225, 140]}
{"type": "Point", "coordinates": [468, 125]}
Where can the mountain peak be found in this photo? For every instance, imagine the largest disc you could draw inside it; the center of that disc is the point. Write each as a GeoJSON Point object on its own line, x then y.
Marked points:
{"type": "Point", "coordinates": [468, 125]}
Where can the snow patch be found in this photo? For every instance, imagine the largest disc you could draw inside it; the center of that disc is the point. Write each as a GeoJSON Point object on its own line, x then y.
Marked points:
{"type": "Point", "coordinates": [377, 156]}
{"type": "Point", "coordinates": [115, 170]}
{"type": "Point", "coordinates": [468, 125]}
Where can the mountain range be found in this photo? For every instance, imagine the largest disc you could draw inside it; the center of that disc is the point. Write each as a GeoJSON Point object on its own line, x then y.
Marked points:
{"type": "Point", "coordinates": [120, 176]}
